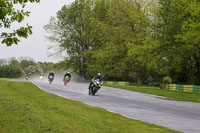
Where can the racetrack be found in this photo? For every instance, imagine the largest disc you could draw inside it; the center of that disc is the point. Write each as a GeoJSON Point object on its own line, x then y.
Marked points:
{"type": "Point", "coordinates": [182, 116]}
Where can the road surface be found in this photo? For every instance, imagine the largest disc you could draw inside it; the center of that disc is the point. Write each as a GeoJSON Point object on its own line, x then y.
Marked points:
{"type": "Point", "coordinates": [181, 116]}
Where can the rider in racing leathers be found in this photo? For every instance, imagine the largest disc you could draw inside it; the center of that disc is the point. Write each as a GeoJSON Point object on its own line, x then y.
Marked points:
{"type": "Point", "coordinates": [67, 74]}
{"type": "Point", "coordinates": [51, 74]}
{"type": "Point", "coordinates": [98, 76]}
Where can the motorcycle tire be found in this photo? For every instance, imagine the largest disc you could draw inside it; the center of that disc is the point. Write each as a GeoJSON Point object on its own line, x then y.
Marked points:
{"type": "Point", "coordinates": [89, 92]}
{"type": "Point", "coordinates": [93, 93]}
{"type": "Point", "coordinates": [65, 83]}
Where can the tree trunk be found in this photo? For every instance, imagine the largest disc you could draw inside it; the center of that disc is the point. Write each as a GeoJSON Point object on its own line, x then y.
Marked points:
{"type": "Point", "coordinates": [139, 81]}
{"type": "Point", "coordinates": [162, 86]}
{"type": "Point", "coordinates": [197, 65]}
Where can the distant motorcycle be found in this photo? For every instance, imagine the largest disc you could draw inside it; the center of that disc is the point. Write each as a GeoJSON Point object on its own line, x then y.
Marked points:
{"type": "Point", "coordinates": [96, 85]}
{"type": "Point", "coordinates": [66, 80]}
{"type": "Point", "coordinates": [26, 77]}
{"type": "Point", "coordinates": [51, 78]}
{"type": "Point", "coordinates": [41, 77]}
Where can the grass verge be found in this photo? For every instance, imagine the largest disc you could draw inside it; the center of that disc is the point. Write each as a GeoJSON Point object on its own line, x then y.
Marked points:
{"type": "Point", "coordinates": [182, 96]}
{"type": "Point", "coordinates": [24, 108]}
{"type": "Point", "coordinates": [11, 79]}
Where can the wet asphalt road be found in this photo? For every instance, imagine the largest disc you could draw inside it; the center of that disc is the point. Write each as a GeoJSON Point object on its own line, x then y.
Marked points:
{"type": "Point", "coordinates": [181, 116]}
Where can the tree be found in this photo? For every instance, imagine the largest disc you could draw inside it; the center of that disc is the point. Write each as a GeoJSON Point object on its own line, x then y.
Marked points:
{"type": "Point", "coordinates": [11, 69]}
{"type": "Point", "coordinates": [72, 31]}
{"type": "Point", "coordinates": [178, 34]}
{"type": "Point", "coordinates": [126, 53]}
{"type": "Point", "coordinates": [9, 15]}
{"type": "Point", "coordinates": [17, 70]}
{"type": "Point", "coordinates": [100, 35]}
{"type": "Point", "coordinates": [29, 66]}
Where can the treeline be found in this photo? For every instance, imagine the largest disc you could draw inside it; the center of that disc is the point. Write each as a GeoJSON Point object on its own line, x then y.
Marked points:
{"type": "Point", "coordinates": [134, 40]}
{"type": "Point", "coordinates": [15, 68]}
{"type": "Point", "coordinates": [11, 69]}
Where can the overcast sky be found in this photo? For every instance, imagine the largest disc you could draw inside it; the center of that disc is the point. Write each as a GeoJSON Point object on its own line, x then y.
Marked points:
{"type": "Point", "coordinates": [36, 46]}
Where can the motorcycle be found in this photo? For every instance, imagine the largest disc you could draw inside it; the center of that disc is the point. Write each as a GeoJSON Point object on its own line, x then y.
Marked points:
{"type": "Point", "coordinates": [41, 77]}
{"type": "Point", "coordinates": [26, 77]}
{"type": "Point", "coordinates": [51, 79]}
{"type": "Point", "coordinates": [94, 87]}
{"type": "Point", "coordinates": [66, 80]}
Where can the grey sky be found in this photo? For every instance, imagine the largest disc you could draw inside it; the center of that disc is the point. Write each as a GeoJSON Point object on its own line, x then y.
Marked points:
{"type": "Point", "coordinates": [36, 45]}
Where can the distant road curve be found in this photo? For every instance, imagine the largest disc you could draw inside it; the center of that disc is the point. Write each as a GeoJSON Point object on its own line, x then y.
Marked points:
{"type": "Point", "coordinates": [181, 116]}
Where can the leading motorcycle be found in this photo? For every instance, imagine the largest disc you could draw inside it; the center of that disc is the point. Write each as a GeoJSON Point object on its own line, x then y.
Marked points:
{"type": "Point", "coordinates": [94, 87]}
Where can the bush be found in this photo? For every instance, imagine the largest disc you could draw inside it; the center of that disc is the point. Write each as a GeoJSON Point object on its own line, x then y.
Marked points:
{"type": "Point", "coordinates": [166, 80]}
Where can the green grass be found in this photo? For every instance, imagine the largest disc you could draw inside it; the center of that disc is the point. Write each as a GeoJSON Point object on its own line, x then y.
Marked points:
{"type": "Point", "coordinates": [182, 96]}
{"type": "Point", "coordinates": [9, 79]}
{"type": "Point", "coordinates": [24, 108]}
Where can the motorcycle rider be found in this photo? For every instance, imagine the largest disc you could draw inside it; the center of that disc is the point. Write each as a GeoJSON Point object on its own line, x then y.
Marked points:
{"type": "Point", "coordinates": [51, 74]}
{"type": "Point", "coordinates": [98, 76]}
{"type": "Point", "coordinates": [67, 74]}
{"type": "Point", "coordinates": [41, 76]}
{"type": "Point", "coordinates": [26, 76]}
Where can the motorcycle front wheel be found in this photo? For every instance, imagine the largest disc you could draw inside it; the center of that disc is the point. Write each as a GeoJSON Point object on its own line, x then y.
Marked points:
{"type": "Point", "coordinates": [65, 83]}
{"type": "Point", "coordinates": [90, 91]}
{"type": "Point", "coordinates": [93, 93]}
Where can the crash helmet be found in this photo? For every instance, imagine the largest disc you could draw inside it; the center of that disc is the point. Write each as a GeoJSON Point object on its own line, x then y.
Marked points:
{"type": "Point", "coordinates": [99, 74]}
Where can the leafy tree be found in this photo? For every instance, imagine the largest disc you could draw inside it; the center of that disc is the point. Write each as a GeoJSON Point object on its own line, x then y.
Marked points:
{"type": "Point", "coordinates": [17, 70]}
{"type": "Point", "coordinates": [9, 15]}
{"type": "Point", "coordinates": [46, 67]}
{"type": "Point", "coordinates": [72, 30]}
{"type": "Point", "coordinates": [99, 35]}
{"type": "Point", "coordinates": [29, 66]}
{"type": "Point", "coordinates": [11, 69]}
{"type": "Point", "coordinates": [61, 67]}
{"type": "Point", "coordinates": [178, 33]}
{"type": "Point", "coordinates": [128, 43]}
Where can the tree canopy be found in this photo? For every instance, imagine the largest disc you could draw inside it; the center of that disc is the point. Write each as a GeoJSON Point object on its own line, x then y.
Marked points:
{"type": "Point", "coordinates": [15, 68]}
{"type": "Point", "coordinates": [140, 41]}
{"type": "Point", "coordinates": [8, 15]}
{"type": "Point", "coordinates": [179, 40]}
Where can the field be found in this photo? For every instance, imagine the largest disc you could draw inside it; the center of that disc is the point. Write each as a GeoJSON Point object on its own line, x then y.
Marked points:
{"type": "Point", "coordinates": [24, 108]}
